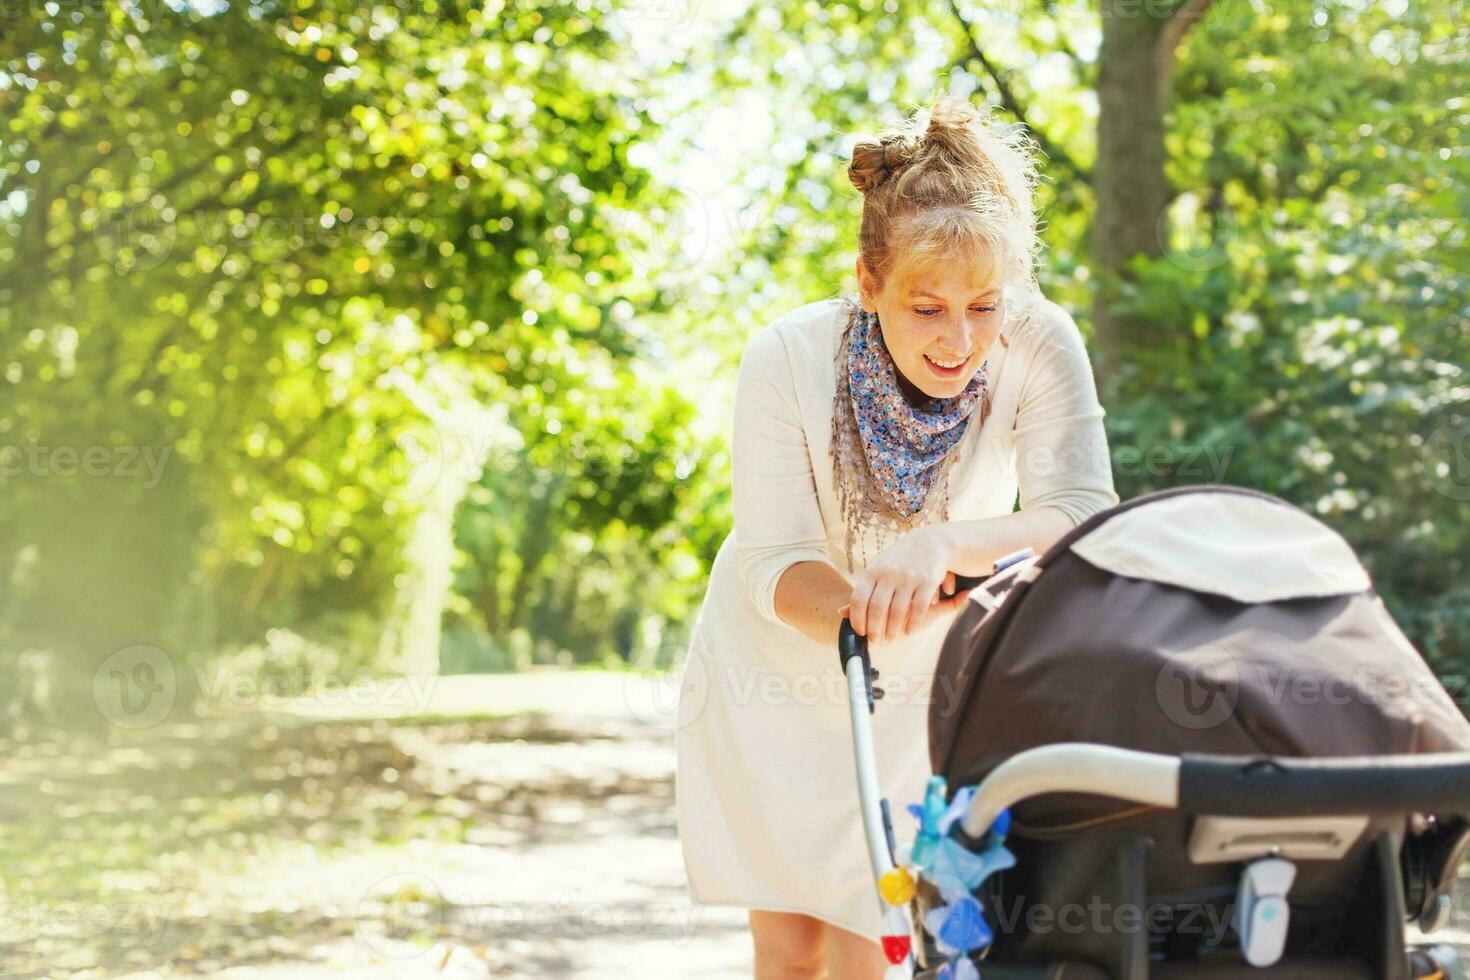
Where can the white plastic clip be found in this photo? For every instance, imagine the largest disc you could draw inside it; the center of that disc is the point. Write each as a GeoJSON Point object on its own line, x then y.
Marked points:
{"type": "Point", "coordinates": [1262, 915]}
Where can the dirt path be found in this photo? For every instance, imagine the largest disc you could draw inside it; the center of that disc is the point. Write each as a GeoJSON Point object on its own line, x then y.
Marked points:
{"type": "Point", "coordinates": [541, 844]}
{"type": "Point", "coordinates": [478, 827]}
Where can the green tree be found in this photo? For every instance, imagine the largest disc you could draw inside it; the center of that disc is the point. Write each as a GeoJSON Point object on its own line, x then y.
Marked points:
{"type": "Point", "coordinates": [239, 236]}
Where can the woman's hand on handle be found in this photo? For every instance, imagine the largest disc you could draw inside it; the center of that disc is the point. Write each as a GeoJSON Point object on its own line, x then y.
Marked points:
{"type": "Point", "coordinates": [814, 597]}
{"type": "Point", "coordinates": [938, 607]}
{"type": "Point", "coordinates": [900, 590]}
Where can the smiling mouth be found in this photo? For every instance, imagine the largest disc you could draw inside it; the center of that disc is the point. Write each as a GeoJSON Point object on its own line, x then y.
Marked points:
{"type": "Point", "coordinates": [946, 367]}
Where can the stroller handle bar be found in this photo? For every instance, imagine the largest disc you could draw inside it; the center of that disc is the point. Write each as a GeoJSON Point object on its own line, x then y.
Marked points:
{"type": "Point", "coordinates": [1247, 786]}
{"type": "Point", "coordinates": [1074, 767]}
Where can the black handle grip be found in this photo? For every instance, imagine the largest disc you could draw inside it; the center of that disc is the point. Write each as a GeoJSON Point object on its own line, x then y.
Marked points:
{"type": "Point", "coordinates": [963, 582]}
{"type": "Point", "coordinates": [1332, 786]}
{"type": "Point", "coordinates": [850, 645]}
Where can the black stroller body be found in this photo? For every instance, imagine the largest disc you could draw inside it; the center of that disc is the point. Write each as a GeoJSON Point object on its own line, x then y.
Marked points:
{"type": "Point", "coordinates": [1223, 758]}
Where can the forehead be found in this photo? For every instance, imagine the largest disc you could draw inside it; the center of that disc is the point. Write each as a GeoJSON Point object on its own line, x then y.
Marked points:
{"type": "Point", "coordinates": [966, 269]}
{"type": "Point", "coordinates": [950, 279]}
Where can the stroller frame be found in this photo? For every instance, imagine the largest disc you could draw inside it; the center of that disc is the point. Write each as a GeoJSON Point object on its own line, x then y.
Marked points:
{"type": "Point", "coordinates": [1281, 802]}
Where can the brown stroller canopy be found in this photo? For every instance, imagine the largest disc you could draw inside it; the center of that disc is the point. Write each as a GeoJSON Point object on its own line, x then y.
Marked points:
{"type": "Point", "coordinates": [1209, 619]}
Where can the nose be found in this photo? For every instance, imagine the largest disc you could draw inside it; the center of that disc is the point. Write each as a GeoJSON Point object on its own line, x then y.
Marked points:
{"type": "Point", "coordinates": [955, 336]}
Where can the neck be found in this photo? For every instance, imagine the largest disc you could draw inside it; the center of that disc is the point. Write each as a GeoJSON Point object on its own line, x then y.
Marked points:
{"type": "Point", "coordinates": [911, 392]}
{"type": "Point", "coordinates": [916, 396]}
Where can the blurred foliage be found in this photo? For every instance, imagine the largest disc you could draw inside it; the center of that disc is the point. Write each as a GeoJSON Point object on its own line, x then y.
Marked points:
{"type": "Point", "coordinates": [250, 252]}
{"type": "Point", "coordinates": [246, 241]}
{"type": "Point", "coordinates": [1313, 303]}
{"type": "Point", "coordinates": [1318, 287]}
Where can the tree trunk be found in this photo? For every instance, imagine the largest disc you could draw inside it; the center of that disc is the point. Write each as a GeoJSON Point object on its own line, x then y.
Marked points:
{"type": "Point", "coordinates": [450, 458]}
{"type": "Point", "coordinates": [489, 593]}
{"type": "Point", "coordinates": [427, 579]}
{"type": "Point", "coordinates": [1131, 190]}
{"type": "Point", "coordinates": [535, 545]}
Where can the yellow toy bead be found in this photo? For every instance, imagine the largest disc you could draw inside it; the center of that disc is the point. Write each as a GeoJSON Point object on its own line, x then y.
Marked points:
{"type": "Point", "coordinates": [897, 887]}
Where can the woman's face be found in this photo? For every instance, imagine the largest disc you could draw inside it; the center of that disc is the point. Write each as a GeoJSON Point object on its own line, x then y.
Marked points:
{"type": "Point", "coordinates": [938, 323]}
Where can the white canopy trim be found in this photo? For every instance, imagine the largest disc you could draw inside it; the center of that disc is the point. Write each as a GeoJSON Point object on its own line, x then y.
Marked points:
{"type": "Point", "coordinates": [1228, 544]}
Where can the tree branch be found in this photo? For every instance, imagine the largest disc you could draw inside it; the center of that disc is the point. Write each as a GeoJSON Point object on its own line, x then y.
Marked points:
{"type": "Point", "coordinates": [1185, 16]}
{"type": "Point", "coordinates": [1011, 103]}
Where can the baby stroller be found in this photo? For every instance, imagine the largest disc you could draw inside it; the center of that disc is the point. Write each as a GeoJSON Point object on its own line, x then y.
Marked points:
{"type": "Point", "coordinates": [1193, 724]}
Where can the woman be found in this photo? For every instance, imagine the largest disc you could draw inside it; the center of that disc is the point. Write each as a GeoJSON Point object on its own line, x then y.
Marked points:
{"type": "Point", "coordinates": [880, 444]}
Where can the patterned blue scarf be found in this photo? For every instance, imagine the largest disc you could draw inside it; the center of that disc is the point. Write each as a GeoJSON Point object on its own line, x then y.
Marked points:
{"type": "Point", "coordinates": [906, 446]}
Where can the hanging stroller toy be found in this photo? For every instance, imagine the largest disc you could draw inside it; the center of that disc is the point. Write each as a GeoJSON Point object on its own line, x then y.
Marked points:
{"type": "Point", "coordinates": [1188, 741]}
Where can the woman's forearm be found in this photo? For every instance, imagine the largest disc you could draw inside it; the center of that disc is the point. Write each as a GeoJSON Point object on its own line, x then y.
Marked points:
{"type": "Point", "coordinates": [978, 544]}
{"type": "Point", "coordinates": [810, 594]}
{"type": "Point", "coordinates": [808, 597]}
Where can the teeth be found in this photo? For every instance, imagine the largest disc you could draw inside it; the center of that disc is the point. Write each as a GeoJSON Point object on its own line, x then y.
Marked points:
{"type": "Point", "coordinates": [947, 364]}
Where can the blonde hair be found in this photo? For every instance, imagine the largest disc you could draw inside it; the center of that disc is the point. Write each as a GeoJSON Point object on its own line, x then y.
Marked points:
{"type": "Point", "coordinates": [944, 185]}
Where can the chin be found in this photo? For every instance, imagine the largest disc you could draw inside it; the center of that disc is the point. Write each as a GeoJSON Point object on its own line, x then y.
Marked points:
{"type": "Point", "coordinates": [944, 387]}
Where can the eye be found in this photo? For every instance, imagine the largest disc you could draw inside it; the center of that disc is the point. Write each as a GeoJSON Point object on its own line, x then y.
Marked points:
{"type": "Point", "coordinates": [926, 311]}
{"type": "Point", "coordinates": [983, 309]}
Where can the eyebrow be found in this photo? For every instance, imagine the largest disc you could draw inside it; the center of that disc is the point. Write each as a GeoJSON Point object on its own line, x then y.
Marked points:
{"type": "Point", "coordinates": [988, 291]}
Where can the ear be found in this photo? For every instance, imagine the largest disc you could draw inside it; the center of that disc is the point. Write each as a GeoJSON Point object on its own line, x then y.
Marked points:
{"type": "Point", "coordinates": [865, 287]}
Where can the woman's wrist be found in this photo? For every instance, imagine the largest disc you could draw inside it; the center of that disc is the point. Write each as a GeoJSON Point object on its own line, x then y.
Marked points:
{"type": "Point", "coordinates": [956, 542]}
{"type": "Point", "coordinates": [946, 542]}
{"type": "Point", "coordinates": [976, 545]}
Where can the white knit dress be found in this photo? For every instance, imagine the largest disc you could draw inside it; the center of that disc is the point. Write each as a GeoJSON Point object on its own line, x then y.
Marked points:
{"type": "Point", "coordinates": [766, 793]}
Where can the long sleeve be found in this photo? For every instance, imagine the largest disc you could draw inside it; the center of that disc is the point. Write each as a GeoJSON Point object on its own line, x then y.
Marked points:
{"type": "Point", "coordinates": [777, 518]}
{"type": "Point", "coordinates": [1061, 449]}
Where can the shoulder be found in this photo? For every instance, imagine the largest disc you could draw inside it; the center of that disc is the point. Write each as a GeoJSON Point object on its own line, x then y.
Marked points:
{"type": "Point", "coordinates": [1048, 345]}
{"type": "Point", "coordinates": [803, 339]}
{"type": "Point", "coordinates": [1042, 324]}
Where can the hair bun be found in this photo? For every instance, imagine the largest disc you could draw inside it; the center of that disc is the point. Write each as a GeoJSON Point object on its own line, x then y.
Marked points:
{"type": "Point", "coordinates": [952, 119]}
{"type": "Point", "coordinates": [875, 160]}
{"type": "Point", "coordinates": [964, 192]}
